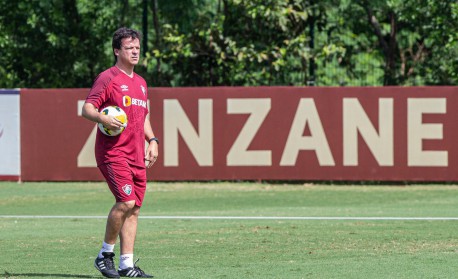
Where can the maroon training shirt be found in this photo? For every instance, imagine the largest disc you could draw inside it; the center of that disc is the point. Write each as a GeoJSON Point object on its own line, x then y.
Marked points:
{"type": "Point", "coordinates": [114, 88]}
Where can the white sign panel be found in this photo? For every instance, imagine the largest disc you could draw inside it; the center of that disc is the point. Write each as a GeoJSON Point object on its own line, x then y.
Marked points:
{"type": "Point", "coordinates": [10, 163]}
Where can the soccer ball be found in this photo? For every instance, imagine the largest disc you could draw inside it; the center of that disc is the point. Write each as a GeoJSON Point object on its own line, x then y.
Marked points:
{"type": "Point", "coordinates": [119, 114]}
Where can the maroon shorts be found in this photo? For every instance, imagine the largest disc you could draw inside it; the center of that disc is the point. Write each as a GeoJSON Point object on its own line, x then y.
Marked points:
{"type": "Point", "coordinates": [126, 182]}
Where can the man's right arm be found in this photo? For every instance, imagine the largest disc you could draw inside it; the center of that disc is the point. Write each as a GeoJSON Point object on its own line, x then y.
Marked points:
{"type": "Point", "coordinates": [90, 112]}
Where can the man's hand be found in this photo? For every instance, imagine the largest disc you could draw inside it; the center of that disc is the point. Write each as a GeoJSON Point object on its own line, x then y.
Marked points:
{"type": "Point", "coordinates": [151, 154]}
{"type": "Point", "coordinates": [110, 122]}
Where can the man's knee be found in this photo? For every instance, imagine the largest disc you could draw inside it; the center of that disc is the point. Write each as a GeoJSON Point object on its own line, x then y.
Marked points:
{"type": "Point", "coordinates": [126, 207]}
{"type": "Point", "coordinates": [136, 210]}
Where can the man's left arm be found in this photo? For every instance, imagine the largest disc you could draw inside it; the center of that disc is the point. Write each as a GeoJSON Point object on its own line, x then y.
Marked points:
{"type": "Point", "coordinates": [153, 148]}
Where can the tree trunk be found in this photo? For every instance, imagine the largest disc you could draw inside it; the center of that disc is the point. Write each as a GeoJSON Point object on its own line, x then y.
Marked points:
{"type": "Point", "coordinates": [125, 9]}
{"type": "Point", "coordinates": [388, 47]}
{"type": "Point", "coordinates": [390, 64]}
{"type": "Point", "coordinates": [145, 27]}
{"type": "Point", "coordinates": [158, 43]}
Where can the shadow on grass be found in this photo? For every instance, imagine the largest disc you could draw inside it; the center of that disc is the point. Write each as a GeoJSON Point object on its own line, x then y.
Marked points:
{"type": "Point", "coordinates": [13, 275]}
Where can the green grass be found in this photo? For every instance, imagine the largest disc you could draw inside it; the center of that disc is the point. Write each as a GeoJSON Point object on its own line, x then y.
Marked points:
{"type": "Point", "coordinates": [219, 248]}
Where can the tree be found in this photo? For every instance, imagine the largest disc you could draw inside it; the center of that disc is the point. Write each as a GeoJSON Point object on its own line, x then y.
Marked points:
{"type": "Point", "coordinates": [407, 32]}
{"type": "Point", "coordinates": [66, 43]}
{"type": "Point", "coordinates": [239, 43]}
{"type": "Point", "coordinates": [58, 43]}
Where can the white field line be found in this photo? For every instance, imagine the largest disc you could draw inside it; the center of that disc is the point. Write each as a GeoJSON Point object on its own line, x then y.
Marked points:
{"type": "Point", "coordinates": [239, 218]}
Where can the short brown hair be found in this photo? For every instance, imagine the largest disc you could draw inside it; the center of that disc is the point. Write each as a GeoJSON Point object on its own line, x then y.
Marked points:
{"type": "Point", "coordinates": [123, 33]}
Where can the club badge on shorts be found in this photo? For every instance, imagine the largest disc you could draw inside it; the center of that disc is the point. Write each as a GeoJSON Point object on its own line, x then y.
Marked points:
{"type": "Point", "coordinates": [127, 189]}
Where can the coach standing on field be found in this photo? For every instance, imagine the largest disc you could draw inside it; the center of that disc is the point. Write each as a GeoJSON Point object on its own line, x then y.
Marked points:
{"type": "Point", "coordinates": [121, 159]}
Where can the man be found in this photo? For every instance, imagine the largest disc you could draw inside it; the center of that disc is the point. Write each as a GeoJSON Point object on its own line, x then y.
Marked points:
{"type": "Point", "coordinates": [122, 159]}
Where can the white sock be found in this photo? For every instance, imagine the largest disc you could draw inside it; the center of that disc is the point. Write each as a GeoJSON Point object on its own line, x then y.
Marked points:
{"type": "Point", "coordinates": [106, 248]}
{"type": "Point", "coordinates": [126, 261]}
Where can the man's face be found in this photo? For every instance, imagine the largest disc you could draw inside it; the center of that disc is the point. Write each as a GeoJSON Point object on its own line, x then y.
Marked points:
{"type": "Point", "coordinates": [129, 53]}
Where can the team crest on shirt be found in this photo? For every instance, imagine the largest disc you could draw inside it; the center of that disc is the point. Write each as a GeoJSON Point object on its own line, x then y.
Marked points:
{"type": "Point", "coordinates": [127, 189]}
{"type": "Point", "coordinates": [143, 89]}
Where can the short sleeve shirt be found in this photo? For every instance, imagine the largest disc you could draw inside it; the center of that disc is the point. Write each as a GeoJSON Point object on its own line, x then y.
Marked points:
{"type": "Point", "coordinates": [114, 88]}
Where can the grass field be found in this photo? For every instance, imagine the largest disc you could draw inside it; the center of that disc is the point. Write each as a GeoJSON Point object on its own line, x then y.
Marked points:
{"type": "Point", "coordinates": [214, 246]}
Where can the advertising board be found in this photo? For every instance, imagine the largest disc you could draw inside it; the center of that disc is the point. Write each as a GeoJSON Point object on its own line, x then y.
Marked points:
{"type": "Point", "coordinates": [260, 133]}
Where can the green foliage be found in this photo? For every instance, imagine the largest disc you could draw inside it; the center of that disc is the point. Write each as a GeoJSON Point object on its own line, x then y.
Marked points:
{"type": "Point", "coordinates": [58, 43]}
{"type": "Point", "coordinates": [244, 43]}
{"type": "Point", "coordinates": [66, 43]}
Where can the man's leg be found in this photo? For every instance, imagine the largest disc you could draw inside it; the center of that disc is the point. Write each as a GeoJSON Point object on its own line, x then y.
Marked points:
{"type": "Point", "coordinates": [128, 232]}
{"type": "Point", "coordinates": [127, 239]}
{"type": "Point", "coordinates": [117, 217]}
{"type": "Point", "coordinates": [127, 268]}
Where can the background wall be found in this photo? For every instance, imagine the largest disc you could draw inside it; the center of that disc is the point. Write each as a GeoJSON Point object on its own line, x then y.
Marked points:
{"type": "Point", "coordinates": [268, 133]}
